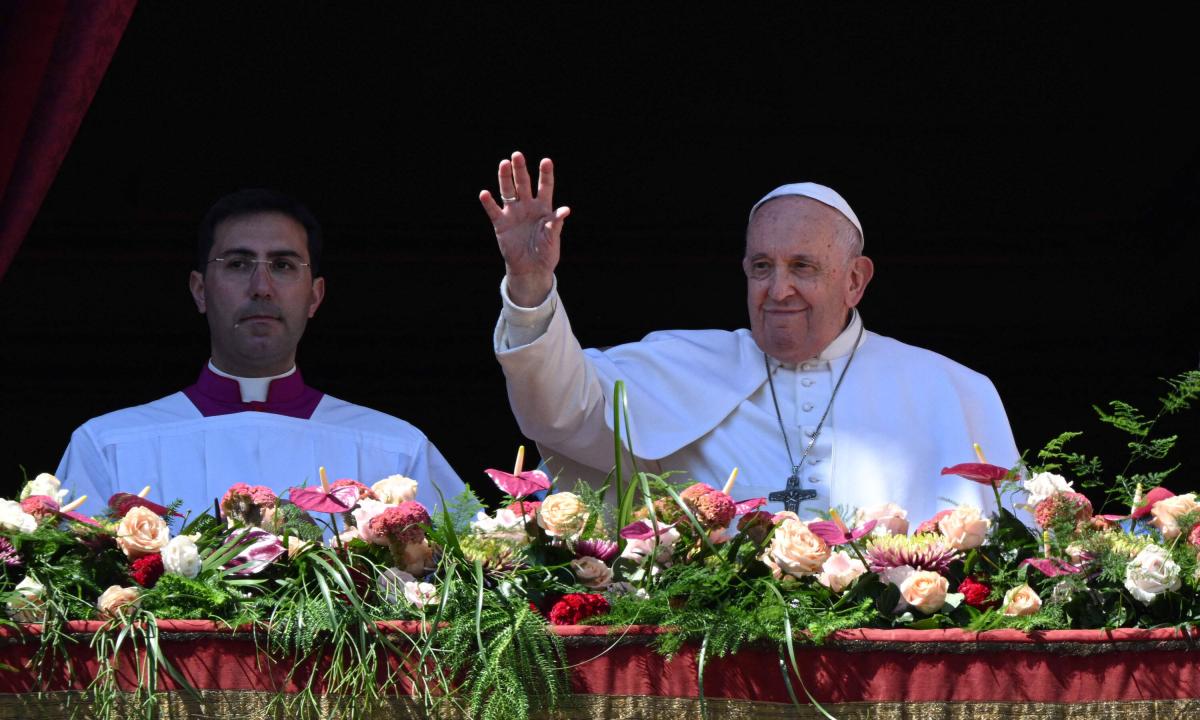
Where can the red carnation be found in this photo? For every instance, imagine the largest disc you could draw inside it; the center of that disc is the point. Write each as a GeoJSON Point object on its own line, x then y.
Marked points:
{"type": "Point", "coordinates": [401, 524]}
{"type": "Point", "coordinates": [975, 593]}
{"type": "Point", "coordinates": [1194, 536]}
{"type": "Point", "coordinates": [931, 525]}
{"type": "Point", "coordinates": [147, 569]}
{"type": "Point", "coordinates": [575, 607]}
{"type": "Point", "coordinates": [525, 508]}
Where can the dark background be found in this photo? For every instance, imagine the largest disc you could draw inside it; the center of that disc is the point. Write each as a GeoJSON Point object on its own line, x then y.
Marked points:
{"type": "Point", "coordinates": [1028, 181]}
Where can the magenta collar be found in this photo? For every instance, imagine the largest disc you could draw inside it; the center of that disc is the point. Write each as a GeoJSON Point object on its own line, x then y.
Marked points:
{"type": "Point", "coordinates": [216, 395]}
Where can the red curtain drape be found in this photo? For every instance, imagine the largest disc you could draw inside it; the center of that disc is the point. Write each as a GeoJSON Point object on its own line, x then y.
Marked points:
{"type": "Point", "coordinates": [53, 54]}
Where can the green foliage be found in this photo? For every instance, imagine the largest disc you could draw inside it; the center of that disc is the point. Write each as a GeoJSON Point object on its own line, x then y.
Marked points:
{"type": "Point", "coordinates": [513, 665]}
{"type": "Point", "coordinates": [459, 511]}
{"type": "Point", "coordinates": [180, 598]}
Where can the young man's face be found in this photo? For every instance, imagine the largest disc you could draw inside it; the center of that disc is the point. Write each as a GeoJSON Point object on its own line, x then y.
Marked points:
{"type": "Point", "coordinates": [256, 318]}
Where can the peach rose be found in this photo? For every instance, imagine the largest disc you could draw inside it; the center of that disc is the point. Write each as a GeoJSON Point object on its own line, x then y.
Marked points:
{"type": "Point", "coordinates": [295, 546]}
{"type": "Point", "coordinates": [142, 532]}
{"type": "Point", "coordinates": [112, 600]}
{"type": "Point", "coordinates": [795, 551]}
{"type": "Point", "coordinates": [890, 519]}
{"type": "Point", "coordinates": [592, 572]}
{"type": "Point", "coordinates": [562, 514]}
{"type": "Point", "coordinates": [1021, 600]}
{"type": "Point", "coordinates": [840, 570]}
{"type": "Point", "coordinates": [395, 489]}
{"type": "Point", "coordinates": [1167, 511]}
{"type": "Point", "coordinates": [965, 527]}
{"type": "Point", "coordinates": [925, 590]}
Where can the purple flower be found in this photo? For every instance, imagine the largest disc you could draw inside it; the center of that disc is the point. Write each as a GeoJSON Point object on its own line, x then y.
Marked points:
{"type": "Point", "coordinates": [603, 550]}
{"type": "Point", "coordinates": [8, 554]}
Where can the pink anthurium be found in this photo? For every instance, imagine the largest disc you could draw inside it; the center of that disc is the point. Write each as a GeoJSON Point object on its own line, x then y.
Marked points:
{"type": "Point", "coordinates": [122, 502]}
{"type": "Point", "coordinates": [519, 483]}
{"type": "Point", "coordinates": [742, 507]}
{"type": "Point", "coordinates": [982, 473]}
{"type": "Point", "coordinates": [643, 530]}
{"type": "Point", "coordinates": [318, 499]}
{"type": "Point", "coordinates": [1155, 494]}
{"type": "Point", "coordinates": [1051, 567]}
{"type": "Point", "coordinates": [834, 532]}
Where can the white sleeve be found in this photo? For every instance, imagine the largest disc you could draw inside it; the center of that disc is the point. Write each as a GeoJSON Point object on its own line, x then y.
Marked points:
{"type": "Point", "coordinates": [521, 325]}
{"type": "Point", "coordinates": [84, 471]}
{"type": "Point", "coordinates": [434, 475]}
{"type": "Point", "coordinates": [554, 389]}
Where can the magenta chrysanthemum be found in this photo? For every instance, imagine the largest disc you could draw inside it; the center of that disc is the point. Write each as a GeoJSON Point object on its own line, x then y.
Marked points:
{"type": "Point", "coordinates": [603, 550]}
{"type": "Point", "coordinates": [921, 552]}
{"type": "Point", "coordinates": [401, 524]}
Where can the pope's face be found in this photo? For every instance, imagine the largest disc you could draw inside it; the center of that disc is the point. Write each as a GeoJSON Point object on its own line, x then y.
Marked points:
{"type": "Point", "coordinates": [255, 320]}
{"type": "Point", "coordinates": [801, 279]}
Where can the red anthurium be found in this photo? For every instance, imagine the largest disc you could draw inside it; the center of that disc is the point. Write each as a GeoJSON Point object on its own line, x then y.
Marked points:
{"type": "Point", "coordinates": [1051, 567]}
{"type": "Point", "coordinates": [1155, 494]}
{"type": "Point", "coordinates": [122, 502]}
{"type": "Point", "coordinates": [745, 506]}
{"type": "Point", "coordinates": [521, 484]}
{"type": "Point", "coordinates": [835, 533]}
{"type": "Point", "coordinates": [315, 499]}
{"type": "Point", "coordinates": [982, 473]}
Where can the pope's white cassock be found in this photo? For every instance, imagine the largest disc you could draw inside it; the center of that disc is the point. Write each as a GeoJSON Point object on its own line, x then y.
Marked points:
{"type": "Point", "coordinates": [193, 445]}
{"type": "Point", "coordinates": [699, 402]}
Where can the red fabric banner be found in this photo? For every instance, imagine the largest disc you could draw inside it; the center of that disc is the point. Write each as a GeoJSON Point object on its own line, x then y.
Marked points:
{"type": "Point", "coordinates": [53, 54]}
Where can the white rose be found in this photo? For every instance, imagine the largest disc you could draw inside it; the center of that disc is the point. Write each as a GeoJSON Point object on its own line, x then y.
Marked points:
{"type": "Point", "coordinates": [44, 484]}
{"type": "Point", "coordinates": [14, 519]}
{"type": "Point", "coordinates": [890, 519]}
{"type": "Point", "coordinates": [395, 489]}
{"type": "Point", "coordinates": [562, 514]}
{"type": "Point", "coordinates": [421, 594]}
{"type": "Point", "coordinates": [27, 607]}
{"type": "Point", "coordinates": [592, 572]}
{"type": "Point", "coordinates": [1043, 485]}
{"type": "Point", "coordinates": [391, 584]}
{"type": "Point", "coordinates": [1151, 573]}
{"type": "Point", "coordinates": [840, 570]}
{"type": "Point", "coordinates": [180, 556]}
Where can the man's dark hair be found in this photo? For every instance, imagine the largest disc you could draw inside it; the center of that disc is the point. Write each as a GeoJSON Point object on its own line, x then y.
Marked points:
{"type": "Point", "coordinates": [252, 201]}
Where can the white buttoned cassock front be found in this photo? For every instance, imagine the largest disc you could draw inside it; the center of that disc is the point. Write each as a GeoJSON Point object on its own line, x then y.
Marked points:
{"type": "Point", "coordinates": [699, 402]}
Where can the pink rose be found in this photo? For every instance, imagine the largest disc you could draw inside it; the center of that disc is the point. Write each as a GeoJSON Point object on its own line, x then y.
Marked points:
{"type": "Point", "coordinates": [112, 600]}
{"type": "Point", "coordinates": [1021, 600]}
{"type": "Point", "coordinates": [890, 519]}
{"type": "Point", "coordinates": [795, 551]}
{"type": "Point", "coordinates": [142, 532]}
{"type": "Point", "coordinates": [592, 572]}
{"type": "Point", "coordinates": [925, 590]}
{"type": "Point", "coordinates": [964, 528]}
{"type": "Point", "coordinates": [1167, 511]}
{"type": "Point", "coordinates": [840, 570]}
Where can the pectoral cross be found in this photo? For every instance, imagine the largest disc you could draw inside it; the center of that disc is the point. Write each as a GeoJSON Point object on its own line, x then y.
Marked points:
{"type": "Point", "coordinates": [792, 495]}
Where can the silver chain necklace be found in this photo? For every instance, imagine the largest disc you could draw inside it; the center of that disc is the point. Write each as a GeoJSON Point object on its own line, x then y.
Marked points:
{"type": "Point", "coordinates": [792, 494]}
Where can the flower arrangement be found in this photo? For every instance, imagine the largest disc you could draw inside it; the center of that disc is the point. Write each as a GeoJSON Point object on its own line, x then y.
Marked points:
{"type": "Point", "coordinates": [318, 569]}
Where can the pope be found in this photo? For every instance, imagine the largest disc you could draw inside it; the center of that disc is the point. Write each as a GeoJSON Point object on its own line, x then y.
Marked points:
{"type": "Point", "coordinates": [815, 409]}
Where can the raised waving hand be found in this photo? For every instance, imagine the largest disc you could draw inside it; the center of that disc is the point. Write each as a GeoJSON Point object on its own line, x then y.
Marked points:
{"type": "Point", "coordinates": [528, 228]}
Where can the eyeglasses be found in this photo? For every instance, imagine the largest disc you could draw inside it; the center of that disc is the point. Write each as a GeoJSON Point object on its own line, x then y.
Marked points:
{"type": "Point", "coordinates": [241, 267]}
